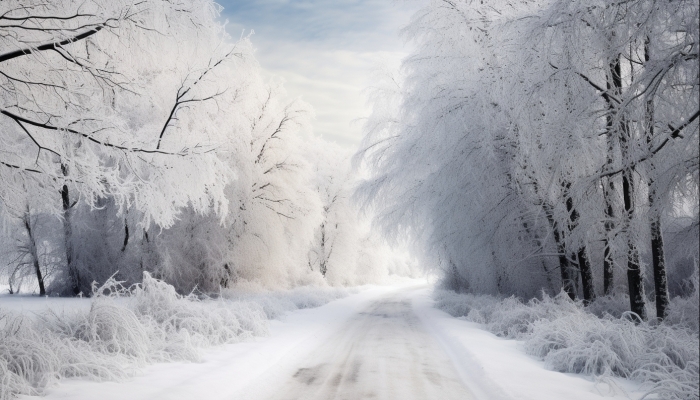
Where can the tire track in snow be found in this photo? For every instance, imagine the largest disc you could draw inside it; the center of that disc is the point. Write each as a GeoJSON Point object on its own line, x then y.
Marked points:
{"type": "Point", "coordinates": [383, 352]}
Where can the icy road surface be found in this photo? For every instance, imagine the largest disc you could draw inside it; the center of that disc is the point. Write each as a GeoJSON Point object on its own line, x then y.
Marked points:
{"type": "Point", "coordinates": [382, 352]}
{"type": "Point", "coordinates": [385, 342]}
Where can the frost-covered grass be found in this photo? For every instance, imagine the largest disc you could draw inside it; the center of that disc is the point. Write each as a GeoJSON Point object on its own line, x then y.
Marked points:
{"type": "Point", "coordinates": [127, 328]}
{"type": "Point", "coordinates": [589, 340]}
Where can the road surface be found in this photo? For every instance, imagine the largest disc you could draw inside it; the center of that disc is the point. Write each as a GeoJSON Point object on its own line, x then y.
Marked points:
{"type": "Point", "coordinates": [379, 343]}
{"type": "Point", "coordinates": [382, 352]}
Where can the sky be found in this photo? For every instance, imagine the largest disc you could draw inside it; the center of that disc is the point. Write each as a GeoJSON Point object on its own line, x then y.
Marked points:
{"type": "Point", "coordinates": [325, 50]}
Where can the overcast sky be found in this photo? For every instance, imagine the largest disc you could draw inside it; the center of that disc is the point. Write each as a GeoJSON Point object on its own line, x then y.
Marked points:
{"type": "Point", "coordinates": [325, 50]}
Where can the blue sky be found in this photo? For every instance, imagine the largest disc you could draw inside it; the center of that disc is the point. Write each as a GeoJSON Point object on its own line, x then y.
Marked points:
{"type": "Point", "coordinates": [325, 50]}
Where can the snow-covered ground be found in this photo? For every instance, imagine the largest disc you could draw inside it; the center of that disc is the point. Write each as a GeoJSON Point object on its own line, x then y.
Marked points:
{"type": "Point", "coordinates": [385, 341]}
{"type": "Point", "coordinates": [24, 304]}
{"type": "Point", "coordinates": [498, 369]}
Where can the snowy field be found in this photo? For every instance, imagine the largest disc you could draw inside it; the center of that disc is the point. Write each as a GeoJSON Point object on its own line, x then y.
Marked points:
{"type": "Point", "coordinates": [310, 352]}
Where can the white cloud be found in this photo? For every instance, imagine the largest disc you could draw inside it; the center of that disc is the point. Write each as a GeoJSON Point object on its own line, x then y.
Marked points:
{"type": "Point", "coordinates": [325, 51]}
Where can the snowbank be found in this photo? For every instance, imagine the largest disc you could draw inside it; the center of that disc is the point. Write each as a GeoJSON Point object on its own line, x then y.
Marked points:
{"type": "Point", "coordinates": [125, 329]}
{"type": "Point", "coordinates": [570, 338]}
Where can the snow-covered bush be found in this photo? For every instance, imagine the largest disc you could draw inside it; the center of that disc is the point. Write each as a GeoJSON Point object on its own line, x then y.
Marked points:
{"type": "Point", "coordinates": [36, 352]}
{"type": "Point", "coordinates": [572, 338]}
{"type": "Point", "coordinates": [129, 327]}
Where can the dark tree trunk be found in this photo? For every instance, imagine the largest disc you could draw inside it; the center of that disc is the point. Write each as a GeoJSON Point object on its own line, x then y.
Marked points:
{"type": "Point", "coordinates": [567, 276]}
{"type": "Point", "coordinates": [73, 273]}
{"type": "Point", "coordinates": [608, 266]}
{"type": "Point", "coordinates": [659, 264]}
{"type": "Point", "coordinates": [33, 253]}
{"type": "Point", "coordinates": [609, 225]}
{"type": "Point", "coordinates": [634, 273]}
{"type": "Point", "coordinates": [126, 234]}
{"type": "Point", "coordinates": [608, 184]}
{"type": "Point", "coordinates": [657, 241]}
{"type": "Point", "coordinates": [584, 265]}
{"type": "Point", "coordinates": [586, 276]}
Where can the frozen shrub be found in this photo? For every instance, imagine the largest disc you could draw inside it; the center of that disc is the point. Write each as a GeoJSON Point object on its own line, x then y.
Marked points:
{"type": "Point", "coordinates": [10, 382]}
{"type": "Point", "coordinates": [188, 319]}
{"type": "Point", "coordinates": [513, 319]}
{"type": "Point", "coordinates": [26, 356]}
{"type": "Point", "coordinates": [614, 305]}
{"type": "Point", "coordinates": [126, 328]}
{"type": "Point", "coordinates": [110, 328]}
{"type": "Point", "coordinates": [671, 382]}
{"type": "Point", "coordinates": [583, 343]}
{"type": "Point", "coordinates": [599, 340]}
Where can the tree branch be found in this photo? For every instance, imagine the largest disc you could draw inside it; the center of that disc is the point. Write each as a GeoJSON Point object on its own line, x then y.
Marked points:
{"type": "Point", "coordinates": [50, 46]}
{"type": "Point", "coordinates": [13, 166]}
{"type": "Point", "coordinates": [183, 91]}
{"type": "Point", "coordinates": [19, 119]}
{"type": "Point", "coordinates": [675, 133]}
{"type": "Point", "coordinates": [607, 96]}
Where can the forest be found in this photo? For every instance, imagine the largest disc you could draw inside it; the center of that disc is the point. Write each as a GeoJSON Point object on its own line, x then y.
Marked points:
{"type": "Point", "coordinates": [539, 159]}
{"type": "Point", "coordinates": [141, 137]}
{"type": "Point", "coordinates": [551, 147]}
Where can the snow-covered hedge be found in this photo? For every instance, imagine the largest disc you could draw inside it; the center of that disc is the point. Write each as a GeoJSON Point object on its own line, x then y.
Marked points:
{"type": "Point", "coordinates": [572, 338]}
{"type": "Point", "coordinates": [127, 328]}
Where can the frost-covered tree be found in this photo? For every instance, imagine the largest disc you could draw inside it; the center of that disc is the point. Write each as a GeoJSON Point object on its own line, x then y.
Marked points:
{"type": "Point", "coordinates": [444, 156]}
{"type": "Point", "coordinates": [344, 249]}
{"type": "Point", "coordinates": [273, 207]}
{"type": "Point", "coordinates": [523, 149]}
{"type": "Point", "coordinates": [108, 100]}
{"type": "Point", "coordinates": [625, 54]}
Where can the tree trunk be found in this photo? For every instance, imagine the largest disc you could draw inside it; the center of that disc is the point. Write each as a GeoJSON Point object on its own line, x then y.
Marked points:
{"type": "Point", "coordinates": [567, 281]}
{"type": "Point", "coordinates": [634, 272]}
{"type": "Point", "coordinates": [33, 252]}
{"type": "Point", "coordinates": [609, 225]}
{"type": "Point", "coordinates": [584, 265]}
{"type": "Point", "coordinates": [608, 266]}
{"type": "Point", "coordinates": [609, 186]}
{"type": "Point", "coordinates": [657, 241]}
{"type": "Point", "coordinates": [659, 266]}
{"type": "Point", "coordinates": [126, 235]}
{"type": "Point", "coordinates": [73, 273]}
{"type": "Point", "coordinates": [586, 276]}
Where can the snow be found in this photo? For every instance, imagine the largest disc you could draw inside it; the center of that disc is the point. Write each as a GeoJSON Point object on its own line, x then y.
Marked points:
{"type": "Point", "coordinates": [23, 304]}
{"type": "Point", "coordinates": [495, 368]}
{"type": "Point", "coordinates": [490, 367]}
{"type": "Point", "coordinates": [226, 371]}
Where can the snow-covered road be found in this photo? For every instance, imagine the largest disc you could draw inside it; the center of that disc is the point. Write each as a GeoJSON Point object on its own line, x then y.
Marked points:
{"type": "Point", "coordinates": [385, 342]}
{"type": "Point", "coordinates": [382, 352]}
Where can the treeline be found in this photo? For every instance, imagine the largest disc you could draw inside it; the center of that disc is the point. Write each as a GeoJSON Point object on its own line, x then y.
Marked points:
{"type": "Point", "coordinates": [138, 136]}
{"type": "Point", "coordinates": [545, 145]}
